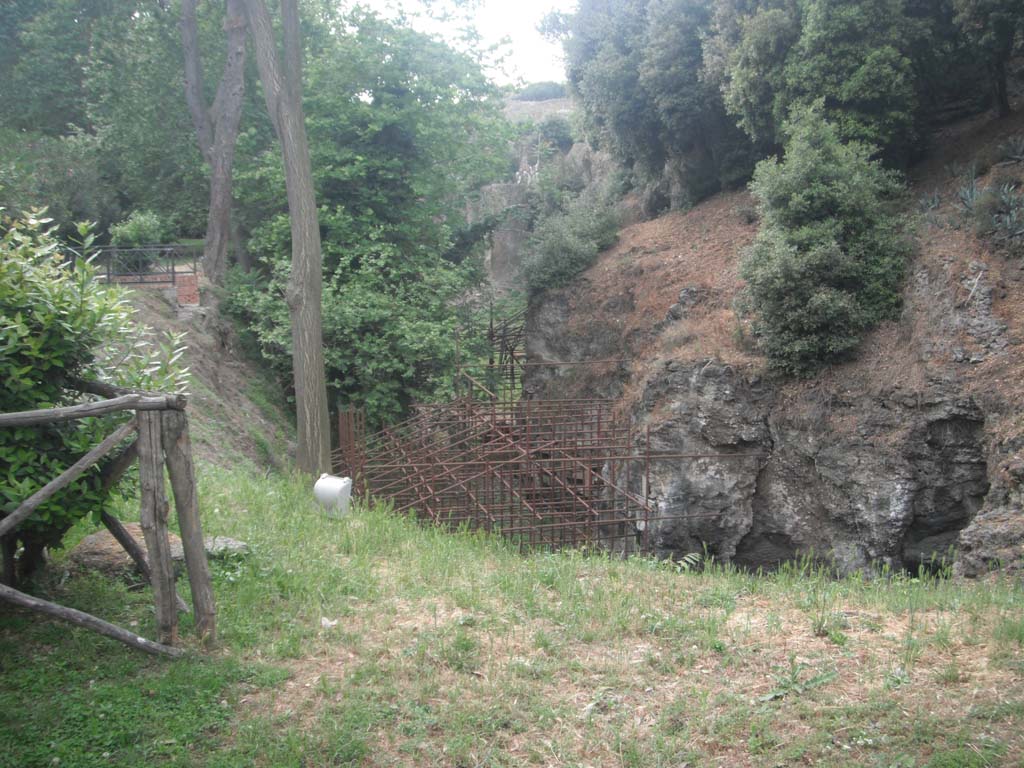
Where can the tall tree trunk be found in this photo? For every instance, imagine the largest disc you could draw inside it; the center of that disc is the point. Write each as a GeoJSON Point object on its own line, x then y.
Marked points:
{"type": "Point", "coordinates": [217, 126]}
{"type": "Point", "coordinates": [1001, 95]}
{"type": "Point", "coordinates": [282, 90]}
{"type": "Point", "coordinates": [238, 245]}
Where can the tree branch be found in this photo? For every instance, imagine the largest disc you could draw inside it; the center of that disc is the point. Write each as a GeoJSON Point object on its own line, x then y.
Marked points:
{"type": "Point", "coordinates": [194, 79]}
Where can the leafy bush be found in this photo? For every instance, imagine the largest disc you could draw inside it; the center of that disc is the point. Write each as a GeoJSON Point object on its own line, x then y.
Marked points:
{"type": "Point", "coordinates": [557, 132]}
{"type": "Point", "coordinates": [828, 261]}
{"type": "Point", "coordinates": [58, 322]}
{"type": "Point", "coordinates": [542, 92]}
{"type": "Point", "coordinates": [566, 243]}
{"type": "Point", "coordinates": [139, 229]}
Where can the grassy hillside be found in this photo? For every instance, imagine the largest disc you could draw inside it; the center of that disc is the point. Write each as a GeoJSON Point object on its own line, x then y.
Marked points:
{"type": "Point", "coordinates": [374, 641]}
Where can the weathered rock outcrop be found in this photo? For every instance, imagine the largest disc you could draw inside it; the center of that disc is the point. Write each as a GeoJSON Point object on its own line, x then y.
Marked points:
{"type": "Point", "coordinates": [862, 479]}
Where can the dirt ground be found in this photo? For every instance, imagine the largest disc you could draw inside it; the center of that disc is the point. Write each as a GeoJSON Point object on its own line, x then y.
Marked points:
{"type": "Point", "coordinates": [236, 409]}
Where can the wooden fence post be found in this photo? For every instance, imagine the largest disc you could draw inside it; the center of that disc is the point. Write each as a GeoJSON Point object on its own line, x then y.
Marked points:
{"type": "Point", "coordinates": [153, 517]}
{"type": "Point", "coordinates": [178, 450]}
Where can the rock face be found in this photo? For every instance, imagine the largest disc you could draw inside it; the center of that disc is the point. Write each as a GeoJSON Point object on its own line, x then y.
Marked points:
{"type": "Point", "coordinates": [504, 206]}
{"type": "Point", "coordinates": [995, 537]}
{"type": "Point", "coordinates": [911, 448]}
{"type": "Point", "coordinates": [792, 478]}
{"type": "Point", "coordinates": [101, 552]}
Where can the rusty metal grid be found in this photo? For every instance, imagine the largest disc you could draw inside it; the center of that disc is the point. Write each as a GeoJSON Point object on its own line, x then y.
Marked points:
{"type": "Point", "coordinates": [544, 473]}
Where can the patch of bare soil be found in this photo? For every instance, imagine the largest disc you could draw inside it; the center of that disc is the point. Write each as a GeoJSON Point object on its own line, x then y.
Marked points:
{"type": "Point", "coordinates": [666, 291]}
{"type": "Point", "coordinates": [235, 409]}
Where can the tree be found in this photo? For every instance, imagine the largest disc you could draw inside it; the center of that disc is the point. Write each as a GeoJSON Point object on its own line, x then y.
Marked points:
{"type": "Point", "coordinates": [64, 174]}
{"type": "Point", "coordinates": [50, 45]}
{"type": "Point", "coordinates": [281, 77]}
{"type": "Point", "coordinates": [828, 261]}
{"type": "Point", "coordinates": [782, 56]}
{"type": "Point", "coordinates": [636, 68]}
{"type": "Point", "coordinates": [402, 131]}
{"type": "Point", "coordinates": [852, 56]}
{"type": "Point", "coordinates": [992, 26]}
{"type": "Point", "coordinates": [146, 144]}
{"type": "Point", "coordinates": [753, 73]}
{"type": "Point", "coordinates": [216, 125]}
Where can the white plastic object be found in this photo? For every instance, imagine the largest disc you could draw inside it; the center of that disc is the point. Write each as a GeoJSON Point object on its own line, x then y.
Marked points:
{"type": "Point", "coordinates": [334, 494]}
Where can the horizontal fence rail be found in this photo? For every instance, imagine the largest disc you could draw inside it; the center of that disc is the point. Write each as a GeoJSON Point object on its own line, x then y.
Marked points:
{"type": "Point", "coordinates": [151, 264]}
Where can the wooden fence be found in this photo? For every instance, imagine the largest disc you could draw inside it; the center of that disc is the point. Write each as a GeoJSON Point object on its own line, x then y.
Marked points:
{"type": "Point", "coordinates": [162, 438]}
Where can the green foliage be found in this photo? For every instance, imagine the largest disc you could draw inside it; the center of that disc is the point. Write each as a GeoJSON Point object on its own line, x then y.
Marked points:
{"type": "Point", "coordinates": [63, 64]}
{"type": "Point", "coordinates": [828, 261]}
{"type": "Point", "coordinates": [140, 228]}
{"type": "Point", "coordinates": [56, 322]}
{"type": "Point", "coordinates": [389, 326]}
{"type": "Point", "coordinates": [62, 174]}
{"type": "Point", "coordinates": [851, 54]}
{"type": "Point", "coordinates": [402, 129]}
{"type": "Point", "coordinates": [991, 26]}
{"type": "Point", "coordinates": [568, 241]}
{"type": "Point", "coordinates": [42, 70]}
{"type": "Point", "coordinates": [787, 56]}
{"type": "Point", "coordinates": [144, 131]}
{"type": "Point", "coordinates": [636, 69]}
{"type": "Point", "coordinates": [557, 132]}
{"type": "Point", "coordinates": [755, 76]}
{"type": "Point", "coordinates": [544, 91]}
{"type": "Point", "coordinates": [690, 92]}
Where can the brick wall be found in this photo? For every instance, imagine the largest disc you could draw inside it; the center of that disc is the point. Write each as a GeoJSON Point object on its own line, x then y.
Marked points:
{"type": "Point", "coordinates": [188, 289]}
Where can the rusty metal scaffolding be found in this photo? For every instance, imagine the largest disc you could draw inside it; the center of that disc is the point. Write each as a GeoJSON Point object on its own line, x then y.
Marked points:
{"type": "Point", "coordinates": [543, 473]}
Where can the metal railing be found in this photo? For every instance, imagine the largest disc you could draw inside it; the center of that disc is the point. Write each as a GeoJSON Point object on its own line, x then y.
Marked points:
{"type": "Point", "coordinates": [151, 264]}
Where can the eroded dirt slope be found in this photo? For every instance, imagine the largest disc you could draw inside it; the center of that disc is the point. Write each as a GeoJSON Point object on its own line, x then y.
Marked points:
{"type": "Point", "coordinates": [235, 409]}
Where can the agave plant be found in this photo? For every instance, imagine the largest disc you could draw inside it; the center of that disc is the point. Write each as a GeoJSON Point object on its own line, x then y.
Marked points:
{"type": "Point", "coordinates": [929, 202]}
{"type": "Point", "coordinates": [968, 195]}
{"type": "Point", "coordinates": [1013, 148]}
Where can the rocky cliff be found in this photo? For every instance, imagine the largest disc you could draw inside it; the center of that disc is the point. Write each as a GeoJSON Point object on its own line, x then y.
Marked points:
{"type": "Point", "coordinates": [507, 207]}
{"type": "Point", "coordinates": [901, 456]}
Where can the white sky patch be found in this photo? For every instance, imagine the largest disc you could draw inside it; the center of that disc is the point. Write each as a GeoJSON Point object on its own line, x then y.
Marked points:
{"type": "Point", "coordinates": [528, 57]}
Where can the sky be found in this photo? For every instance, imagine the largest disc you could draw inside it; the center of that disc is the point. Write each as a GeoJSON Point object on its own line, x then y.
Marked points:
{"type": "Point", "coordinates": [530, 58]}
